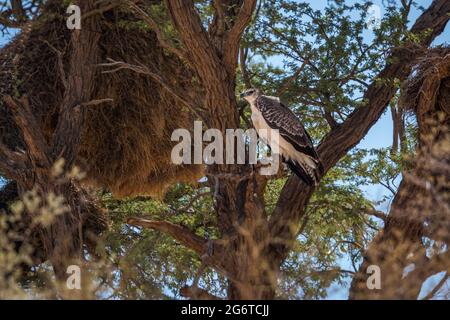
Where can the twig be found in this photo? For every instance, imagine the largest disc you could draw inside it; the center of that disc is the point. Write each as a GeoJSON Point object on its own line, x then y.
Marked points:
{"type": "Point", "coordinates": [177, 93]}
{"type": "Point", "coordinates": [96, 102]}
{"type": "Point", "coordinates": [438, 287]}
{"type": "Point", "coordinates": [62, 72]}
{"type": "Point", "coordinates": [191, 202]}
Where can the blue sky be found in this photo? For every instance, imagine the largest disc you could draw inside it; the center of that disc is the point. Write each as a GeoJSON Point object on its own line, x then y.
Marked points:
{"type": "Point", "coordinates": [380, 136]}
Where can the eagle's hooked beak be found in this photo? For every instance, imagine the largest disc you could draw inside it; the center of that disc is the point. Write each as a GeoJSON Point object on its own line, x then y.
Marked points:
{"type": "Point", "coordinates": [242, 95]}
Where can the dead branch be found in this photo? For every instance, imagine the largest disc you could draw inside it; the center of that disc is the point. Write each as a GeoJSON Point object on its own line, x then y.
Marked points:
{"type": "Point", "coordinates": [438, 287]}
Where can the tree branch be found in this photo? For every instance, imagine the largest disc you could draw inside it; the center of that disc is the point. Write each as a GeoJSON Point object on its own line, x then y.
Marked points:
{"type": "Point", "coordinates": [183, 235]}
{"type": "Point", "coordinates": [18, 11]}
{"type": "Point", "coordinates": [438, 287]}
{"type": "Point", "coordinates": [210, 251]}
{"type": "Point", "coordinates": [431, 266]}
{"type": "Point", "coordinates": [287, 82]}
{"type": "Point", "coordinates": [242, 20]}
{"type": "Point", "coordinates": [243, 52]}
{"type": "Point", "coordinates": [79, 87]}
{"type": "Point", "coordinates": [201, 50]}
{"type": "Point", "coordinates": [11, 163]}
{"type": "Point", "coordinates": [7, 22]}
{"type": "Point", "coordinates": [234, 35]}
{"type": "Point", "coordinates": [197, 294]}
{"type": "Point", "coordinates": [13, 156]}
{"type": "Point", "coordinates": [36, 145]}
{"type": "Point", "coordinates": [378, 214]}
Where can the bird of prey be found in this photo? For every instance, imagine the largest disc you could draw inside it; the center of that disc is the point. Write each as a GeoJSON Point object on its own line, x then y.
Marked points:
{"type": "Point", "coordinates": [295, 145]}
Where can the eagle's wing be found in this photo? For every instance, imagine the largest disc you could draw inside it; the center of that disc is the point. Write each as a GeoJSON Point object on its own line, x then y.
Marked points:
{"type": "Point", "coordinates": [280, 117]}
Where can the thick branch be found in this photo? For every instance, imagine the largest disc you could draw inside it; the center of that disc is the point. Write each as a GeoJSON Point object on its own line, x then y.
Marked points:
{"type": "Point", "coordinates": [183, 235]}
{"type": "Point", "coordinates": [210, 251]}
{"type": "Point", "coordinates": [195, 38]}
{"type": "Point", "coordinates": [233, 37]}
{"type": "Point", "coordinates": [80, 82]}
{"type": "Point", "coordinates": [242, 20]}
{"type": "Point", "coordinates": [438, 287]}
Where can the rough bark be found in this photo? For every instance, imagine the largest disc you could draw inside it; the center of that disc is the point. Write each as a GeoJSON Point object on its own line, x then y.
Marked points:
{"type": "Point", "coordinates": [240, 209]}
{"type": "Point", "coordinates": [33, 169]}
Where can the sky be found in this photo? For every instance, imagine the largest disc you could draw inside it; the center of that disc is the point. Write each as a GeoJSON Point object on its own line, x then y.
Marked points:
{"type": "Point", "coordinates": [380, 136]}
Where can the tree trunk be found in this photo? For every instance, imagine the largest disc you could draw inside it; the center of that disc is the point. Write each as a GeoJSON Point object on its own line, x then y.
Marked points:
{"type": "Point", "coordinates": [420, 207]}
{"type": "Point", "coordinates": [243, 222]}
{"type": "Point", "coordinates": [62, 235]}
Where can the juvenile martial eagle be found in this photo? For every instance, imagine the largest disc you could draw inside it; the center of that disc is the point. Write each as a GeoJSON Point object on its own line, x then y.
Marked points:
{"type": "Point", "coordinates": [295, 145]}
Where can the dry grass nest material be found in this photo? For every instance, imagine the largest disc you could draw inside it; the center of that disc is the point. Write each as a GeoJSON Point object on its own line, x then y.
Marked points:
{"type": "Point", "coordinates": [126, 143]}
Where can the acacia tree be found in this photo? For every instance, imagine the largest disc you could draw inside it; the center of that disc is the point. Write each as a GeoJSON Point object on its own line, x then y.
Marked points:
{"type": "Point", "coordinates": [253, 242]}
{"type": "Point", "coordinates": [249, 237]}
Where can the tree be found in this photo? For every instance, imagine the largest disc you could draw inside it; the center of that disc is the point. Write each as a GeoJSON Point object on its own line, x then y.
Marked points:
{"type": "Point", "coordinates": [252, 240]}
{"type": "Point", "coordinates": [239, 203]}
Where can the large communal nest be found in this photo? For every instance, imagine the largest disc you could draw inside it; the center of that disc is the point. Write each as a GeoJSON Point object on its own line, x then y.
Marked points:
{"type": "Point", "coordinates": [429, 83]}
{"type": "Point", "coordinates": [126, 144]}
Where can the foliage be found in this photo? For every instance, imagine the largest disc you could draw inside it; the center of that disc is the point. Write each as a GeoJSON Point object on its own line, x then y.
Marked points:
{"type": "Point", "coordinates": [319, 62]}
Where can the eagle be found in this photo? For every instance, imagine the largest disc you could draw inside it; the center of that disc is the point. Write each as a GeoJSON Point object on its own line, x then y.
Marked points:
{"type": "Point", "coordinates": [295, 145]}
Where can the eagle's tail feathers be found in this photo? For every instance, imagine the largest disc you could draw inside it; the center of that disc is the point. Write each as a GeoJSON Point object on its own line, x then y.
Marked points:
{"type": "Point", "coordinates": [303, 174]}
